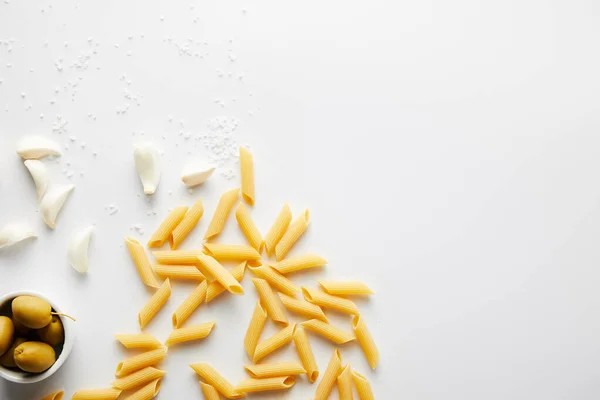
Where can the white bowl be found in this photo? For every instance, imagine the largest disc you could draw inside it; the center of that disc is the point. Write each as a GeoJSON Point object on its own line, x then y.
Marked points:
{"type": "Point", "coordinates": [26, 377]}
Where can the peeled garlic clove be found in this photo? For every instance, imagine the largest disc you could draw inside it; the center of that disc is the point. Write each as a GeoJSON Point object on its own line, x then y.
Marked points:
{"type": "Point", "coordinates": [14, 233]}
{"type": "Point", "coordinates": [53, 201]}
{"type": "Point", "coordinates": [195, 174]}
{"type": "Point", "coordinates": [147, 163]}
{"type": "Point", "coordinates": [36, 147]}
{"type": "Point", "coordinates": [78, 250]}
{"type": "Point", "coordinates": [39, 173]}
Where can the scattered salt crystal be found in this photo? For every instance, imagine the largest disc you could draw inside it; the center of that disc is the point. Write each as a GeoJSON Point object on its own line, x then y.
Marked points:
{"type": "Point", "coordinates": [112, 209]}
{"type": "Point", "coordinates": [191, 191]}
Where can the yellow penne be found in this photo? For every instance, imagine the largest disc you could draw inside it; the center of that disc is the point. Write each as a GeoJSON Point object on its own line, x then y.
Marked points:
{"type": "Point", "coordinates": [366, 341]}
{"type": "Point", "coordinates": [138, 378]}
{"type": "Point", "coordinates": [141, 262]}
{"type": "Point", "coordinates": [302, 307]}
{"type": "Point", "coordinates": [344, 383]}
{"type": "Point", "coordinates": [209, 392]}
{"type": "Point", "coordinates": [138, 341]}
{"type": "Point", "coordinates": [328, 331]}
{"type": "Point", "coordinates": [275, 279]}
{"type": "Point", "coordinates": [213, 378]}
{"type": "Point", "coordinates": [329, 376]}
{"type": "Point", "coordinates": [148, 392]}
{"type": "Point", "coordinates": [167, 226]}
{"type": "Point", "coordinates": [363, 388]}
{"type": "Point", "coordinates": [97, 394]}
{"type": "Point", "coordinates": [269, 301]}
{"type": "Point", "coordinates": [255, 328]}
{"type": "Point", "coordinates": [211, 267]}
{"type": "Point", "coordinates": [291, 235]}
{"type": "Point", "coordinates": [263, 385]}
{"type": "Point", "coordinates": [177, 257]}
{"type": "Point", "coordinates": [188, 306]}
{"type": "Point", "coordinates": [183, 272]}
{"type": "Point", "coordinates": [231, 252]}
{"type": "Point", "coordinates": [328, 301]}
{"type": "Point", "coordinates": [219, 218]}
{"type": "Point", "coordinates": [305, 354]}
{"type": "Point", "coordinates": [156, 302]}
{"type": "Point", "coordinates": [299, 263]}
{"type": "Point", "coordinates": [247, 173]}
{"type": "Point", "coordinates": [140, 361]}
{"type": "Point", "coordinates": [248, 227]}
{"type": "Point", "coordinates": [273, 343]}
{"type": "Point", "coordinates": [55, 396]}
{"type": "Point", "coordinates": [345, 288]}
{"type": "Point", "coordinates": [187, 224]}
{"type": "Point", "coordinates": [215, 288]}
{"type": "Point", "coordinates": [190, 333]}
{"type": "Point", "coordinates": [285, 368]}
{"type": "Point", "coordinates": [278, 229]}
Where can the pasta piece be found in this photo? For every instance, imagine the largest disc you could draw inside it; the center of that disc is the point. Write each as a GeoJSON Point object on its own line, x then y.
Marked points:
{"type": "Point", "coordinates": [187, 224]}
{"type": "Point", "coordinates": [344, 383]}
{"type": "Point", "coordinates": [55, 396]}
{"type": "Point", "coordinates": [140, 361]}
{"type": "Point", "coordinates": [141, 262]}
{"type": "Point", "coordinates": [209, 392]}
{"type": "Point", "coordinates": [263, 385]}
{"type": "Point", "coordinates": [362, 386]}
{"type": "Point", "coordinates": [286, 368]}
{"type": "Point", "coordinates": [167, 226]}
{"type": "Point", "coordinates": [328, 301]}
{"type": "Point", "coordinates": [270, 301]}
{"type": "Point", "coordinates": [188, 306]}
{"type": "Point", "coordinates": [345, 288]}
{"type": "Point", "coordinates": [278, 229]}
{"type": "Point", "coordinates": [219, 218]}
{"type": "Point", "coordinates": [39, 174]}
{"type": "Point", "coordinates": [139, 341]}
{"type": "Point", "coordinates": [177, 257]}
{"type": "Point", "coordinates": [148, 392]}
{"type": "Point", "coordinates": [52, 203]}
{"type": "Point", "coordinates": [78, 250]}
{"type": "Point", "coordinates": [273, 343]}
{"type": "Point", "coordinates": [328, 331]}
{"type": "Point", "coordinates": [292, 234]}
{"type": "Point", "coordinates": [366, 341]}
{"type": "Point", "coordinates": [215, 288]}
{"type": "Point", "coordinates": [148, 165]}
{"type": "Point", "coordinates": [303, 307]}
{"type": "Point", "coordinates": [97, 394]}
{"type": "Point", "coordinates": [299, 263]}
{"type": "Point", "coordinates": [184, 272]}
{"type": "Point", "coordinates": [231, 252]}
{"type": "Point", "coordinates": [248, 227]}
{"type": "Point", "coordinates": [247, 173]}
{"type": "Point", "coordinates": [138, 378]}
{"type": "Point", "coordinates": [275, 279]}
{"type": "Point", "coordinates": [329, 376]}
{"type": "Point", "coordinates": [255, 328]}
{"type": "Point", "coordinates": [190, 333]}
{"type": "Point", "coordinates": [213, 378]}
{"type": "Point", "coordinates": [156, 302]}
{"type": "Point", "coordinates": [210, 266]}
{"type": "Point", "coordinates": [305, 354]}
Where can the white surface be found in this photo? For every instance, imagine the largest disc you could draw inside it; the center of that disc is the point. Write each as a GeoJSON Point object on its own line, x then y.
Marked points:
{"type": "Point", "coordinates": [447, 150]}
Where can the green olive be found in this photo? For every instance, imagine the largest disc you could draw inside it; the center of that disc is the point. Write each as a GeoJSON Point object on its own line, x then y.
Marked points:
{"type": "Point", "coordinates": [7, 331]}
{"type": "Point", "coordinates": [53, 333]}
{"type": "Point", "coordinates": [34, 356]}
{"type": "Point", "coordinates": [8, 359]}
{"type": "Point", "coordinates": [32, 312]}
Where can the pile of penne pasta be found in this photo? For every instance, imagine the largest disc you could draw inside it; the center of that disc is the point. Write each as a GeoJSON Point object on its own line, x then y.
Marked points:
{"type": "Point", "coordinates": [277, 294]}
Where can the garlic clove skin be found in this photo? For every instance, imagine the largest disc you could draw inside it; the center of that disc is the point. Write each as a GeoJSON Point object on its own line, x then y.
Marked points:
{"type": "Point", "coordinates": [148, 165]}
{"type": "Point", "coordinates": [53, 202]}
{"type": "Point", "coordinates": [78, 249]}
{"type": "Point", "coordinates": [195, 174]}
{"type": "Point", "coordinates": [36, 147]}
{"type": "Point", "coordinates": [39, 173]}
{"type": "Point", "coordinates": [12, 234]}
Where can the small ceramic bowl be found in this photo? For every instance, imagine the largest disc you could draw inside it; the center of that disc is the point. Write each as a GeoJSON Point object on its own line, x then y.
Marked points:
{"type": "Point", "coordinates": [62, 354]}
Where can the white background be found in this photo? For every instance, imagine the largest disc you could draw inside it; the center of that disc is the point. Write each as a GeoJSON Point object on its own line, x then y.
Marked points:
{"type": "Point", "coordinates": [447, 150]}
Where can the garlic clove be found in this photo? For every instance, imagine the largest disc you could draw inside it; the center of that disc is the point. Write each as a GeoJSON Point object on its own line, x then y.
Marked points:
{"type": "Point", "coordinates": [147, 163]}
{"type": "Point", "coordinates": [53, 202]}
{"type": "Point", "coordinates": [195, 174]}
{"type": "Point", "coordinates": [36, 147]}
{"type": "Point", "coordinates": [14, 233]}
{"type": "Point", "coordinates": [39, 173]}
{"type": "Point", "coordinates": [78, 249]}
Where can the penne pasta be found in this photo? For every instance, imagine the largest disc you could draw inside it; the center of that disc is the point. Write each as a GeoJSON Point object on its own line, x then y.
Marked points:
{"type": "Point", "coordinates": [302, 307]}
{"type": "Point", "coordinates": [183, 272]}
{"type": "Point", "coordinates": [242, 215]}
{"type": "Point", "coordinates": [97, 394]}
{"type": "Point", "coordinates": [217, 223]}
{"type": "Point", "coordinates": [328, 331]}
{"type": "Point", "coordinates": [209, 392]}
{"type": "Point", "coordinates": [273, 343]}
{"type": "Point", "coordinates": [305, 354]}
{"type": "Point", "coordinates": [156, 302]}
{"type": "Point", "coordinates": [148, 392]}
{"type": "Point", "coordinates": [141, 262]}
{"type": "Point", "coordinates": [215, 288]}
{"type": "Point", "coordinates": [328, 301]}
{"type": "Point", "coordinates": [190, 333]}
{"type": "Point", "coordinates": [291, 235]}
{"type": "Point", "coordinates": [278, 229]}
{"type": "Point", "coordinates": [213, 378]}
{"type": "Point", "coordinates": [275, 279]}
{"type": "Point", "coordinates": [363, 388]}
{"type": "Point", "coordinates": [263, 385]}
{"type": "Point", "coordinates": [255, 328]}
{"type": "Point", "coordinates": [209, 266]}
{"type": "Point", "coordinates": [177, 257]}
{"type": "Point", "coordinates": [344, 383]}
{"type": "Point", "coordinates": [55, 396]}
{"type": "Point", "coordinates": [329, 376]}
{"type": "Point", "coordinates": [188, 306]}
{"type": "Point", "coordinates": [231, 252]}
{"type": "Point", "coordinates": [138, 378]}
{"type": "Point", "coordinates": [140, 361]}
{"type": "Point", "coordinates": [138, 341]}
{"type": "Point", "coordinates": [366, 341]}
{"type": "Point", "coordinates": [299, 263]}
{"type": "Point", "coordinates": [345, 288]}
{"type": "Point", "coordinates": [269, 301]}
{"type": "Point", "coordinates": [286, 368]}
{"type": "Point", "coordinates": [167, 226]}
{"type": "Point", "coordinates": [247, 173]}
{"type": "Point", "coordinates": [187, 224]}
